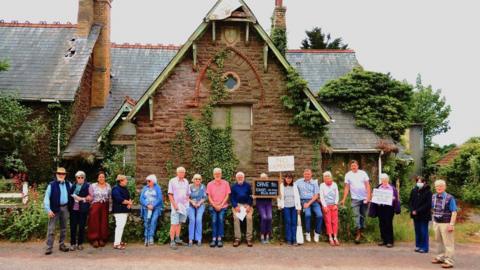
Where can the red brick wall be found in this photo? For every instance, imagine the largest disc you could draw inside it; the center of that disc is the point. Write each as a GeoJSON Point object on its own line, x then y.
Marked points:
{"type": "Point", "coordinates": [81, 105]}
{"type": "Point", "coordinates": [271, 133]}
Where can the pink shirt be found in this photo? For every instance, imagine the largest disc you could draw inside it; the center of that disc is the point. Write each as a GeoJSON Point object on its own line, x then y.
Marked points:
{"type": "Point", "coordinates": [218, 191]}
{"type": "Point", "coordinates": [180, 189]}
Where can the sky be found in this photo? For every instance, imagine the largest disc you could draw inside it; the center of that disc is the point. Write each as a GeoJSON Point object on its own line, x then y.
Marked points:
{"type": "Point", "coordinates": [438, 39]}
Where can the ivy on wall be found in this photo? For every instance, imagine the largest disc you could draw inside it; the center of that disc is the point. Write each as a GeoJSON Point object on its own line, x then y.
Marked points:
{"type": "Point", "coordinates": [210, 147]}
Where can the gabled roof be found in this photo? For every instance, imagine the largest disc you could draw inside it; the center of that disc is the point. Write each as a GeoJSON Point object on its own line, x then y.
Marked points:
{"type": "Point", "coordinates": [220, 11]}
{"type": "Point", "coordinates": [133, 68]}
{"type": "Point", "coordinates": [449, 157]}
{"type": "Point", "coordinates": [320, 66]}
{"type": "Point", "coordinates": [39, 68]}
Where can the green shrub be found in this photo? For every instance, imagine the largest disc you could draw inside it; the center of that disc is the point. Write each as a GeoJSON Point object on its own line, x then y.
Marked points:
{"type": "Point", "coordinates": [25, 224]}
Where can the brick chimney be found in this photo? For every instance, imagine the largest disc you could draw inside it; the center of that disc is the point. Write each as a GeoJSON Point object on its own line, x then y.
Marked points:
{"type": "Point", "coordinates": [97, 12]}
{"type": "Point", "coordinates": [279, 19]}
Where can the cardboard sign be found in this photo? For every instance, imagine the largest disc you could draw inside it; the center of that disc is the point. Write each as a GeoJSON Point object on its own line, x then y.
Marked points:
{"type": "Point", "coordinates": [382, 196]}
{"type": "Point", "coordinates": [265, 188]}
{"type": "Point", "coordinates": [281, 164]}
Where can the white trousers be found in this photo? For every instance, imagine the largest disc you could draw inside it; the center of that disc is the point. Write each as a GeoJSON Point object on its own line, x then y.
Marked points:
{"type": "Point", "coordinates": [120, 221]}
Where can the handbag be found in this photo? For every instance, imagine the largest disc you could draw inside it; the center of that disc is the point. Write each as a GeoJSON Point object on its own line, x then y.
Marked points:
{"type": "Point", "coordinates": [299, 230]}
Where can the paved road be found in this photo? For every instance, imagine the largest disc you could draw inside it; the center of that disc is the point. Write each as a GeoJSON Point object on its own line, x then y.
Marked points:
{"type": "Point", "coordinates": [320, 256]}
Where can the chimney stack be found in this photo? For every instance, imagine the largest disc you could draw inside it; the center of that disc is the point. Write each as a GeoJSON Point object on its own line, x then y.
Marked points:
{"type": "Point", "coordinates": [97, 12]}
{"type": "Point", "coordinates": [279, 19]}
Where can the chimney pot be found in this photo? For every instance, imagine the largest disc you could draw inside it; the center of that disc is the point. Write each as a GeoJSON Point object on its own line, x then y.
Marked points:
{"type": "Point", "coordinates": [279, 3]}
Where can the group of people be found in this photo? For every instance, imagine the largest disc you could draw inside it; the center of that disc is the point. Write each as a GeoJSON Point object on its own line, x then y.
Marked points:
{"type": "Point", "coordinates": [188, 201]}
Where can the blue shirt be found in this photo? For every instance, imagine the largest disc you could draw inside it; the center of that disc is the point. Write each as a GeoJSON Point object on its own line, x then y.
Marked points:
{"type": "Point", "coordinates": [241, 194]}
{"type": "Point", "coordinates": [307, 189]}
{"type": "Point", "coordinates": [198, 194]}
{"type": "Point", "coordinates": [452, 206]}
{"type": "Point", "coordinates": [63, 196]}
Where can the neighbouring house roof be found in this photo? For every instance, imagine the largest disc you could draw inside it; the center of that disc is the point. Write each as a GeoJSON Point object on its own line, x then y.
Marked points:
{"type": "Point", "coordinates": [134, 68]}
{"type": "Point", "coordinates": [449, 157]}
{"type": "Point", "coordinates": [320, 66]}
{"type": "Point", "coordinates": [41, 67]}
{"type": "Point", "coordinates": [221, 11]}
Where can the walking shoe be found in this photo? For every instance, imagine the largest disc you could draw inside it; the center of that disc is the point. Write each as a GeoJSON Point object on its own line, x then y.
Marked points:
{"type": "Point", "coordinates": [190, 243]}
{"type": "Point", "coordinates": [101, 243]}
{"type": "Point", "coordinates": [417, 249]}
{"type": "Point", "coordinates": [249, 243]}
{"type": "Point", "coordinates": [213, 244]}
{"type": "Point", "coordinates": [308, 238]}
{"type": "Point", "coordinates": [63, 248]}
{"type": "Point", "coordinates": [179, 241]}
{"type": "Point", "coordinates": [316, 237]}
{"type": "Point", "coordinates": [447, 265]}
{"type": "Point", "coordinates": [95, 244]}
{"type": "Point", "coordinates": [389, 245]}
{"type": "Point", "coordinates": [199, 243]}
{"type": "Point", "coordinates": [437, 261]}
{"type": "Point", "coordinates": [48, 251]}
{"type": "Point", "coordinates": [332, 242]}
{"type": "Point", "coordinates": [422, 251]}
{"type": "Point", "coordinates": [267, 239]}
{"type": "Point", "coordinates": [358, 236]}
{"type": "Point", "coordinates": [72, 248]}
{"type": "Point", "coordinates": [236, 243]}
{"type": "Point", "coordinates": [219, 243]}
{"type": "Point", "coordinates": [79, 247]}
{"type": "Point", "coordinates": [381, 244]}
{"type": "Point", "coordinates": [173, 245]}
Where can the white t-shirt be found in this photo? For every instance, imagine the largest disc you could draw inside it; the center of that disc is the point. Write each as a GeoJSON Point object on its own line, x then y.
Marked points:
{"type": "Point", "coordinates": [357, 184]}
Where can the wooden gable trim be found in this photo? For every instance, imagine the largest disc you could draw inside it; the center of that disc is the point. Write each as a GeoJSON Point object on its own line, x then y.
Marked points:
{"type": "Point", "coordinates": [126, 107]}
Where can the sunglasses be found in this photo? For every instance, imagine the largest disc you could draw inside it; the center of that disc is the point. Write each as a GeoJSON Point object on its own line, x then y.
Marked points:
{"type": "Point", "coordinates": [61, 173]}
{"type": "Point", "coordinates": [80, 177]}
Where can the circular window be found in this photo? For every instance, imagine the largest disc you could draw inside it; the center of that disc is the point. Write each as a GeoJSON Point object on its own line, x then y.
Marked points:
{"type": "Point", "coordinates": [232, 82]}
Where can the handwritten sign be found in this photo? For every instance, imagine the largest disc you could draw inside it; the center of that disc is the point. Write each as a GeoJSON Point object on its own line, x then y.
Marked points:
{"type": "Point", "coordinates": [382, 196]}
{"type": "Point", "coordinates": [265, 188]}
{"type": "Point", "coordinates": [281, 164]}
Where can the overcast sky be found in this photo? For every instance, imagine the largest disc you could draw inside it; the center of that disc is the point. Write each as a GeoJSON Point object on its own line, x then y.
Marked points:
{"type": "Point", "coordinates": [436, 38]}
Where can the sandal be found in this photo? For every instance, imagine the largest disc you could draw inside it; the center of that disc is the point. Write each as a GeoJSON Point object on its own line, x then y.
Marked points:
{"type": "Point", "coordinates": [120, 247]}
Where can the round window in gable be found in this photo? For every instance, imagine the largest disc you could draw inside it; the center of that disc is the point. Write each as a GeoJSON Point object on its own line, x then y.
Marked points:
{"type": "Point", "coordinates": [232, 81]}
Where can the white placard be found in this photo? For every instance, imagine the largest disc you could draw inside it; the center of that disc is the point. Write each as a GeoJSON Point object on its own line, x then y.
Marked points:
{"type": "Point", "coordinates": [382, 196]}
{"type": "Point", "coordinates": [281, 164]}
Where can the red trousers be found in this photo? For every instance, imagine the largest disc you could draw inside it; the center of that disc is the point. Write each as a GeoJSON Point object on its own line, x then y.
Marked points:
{"type": "Point", "coordinates": [331, 219]}
{"type": "Point", "coordinates": [98, 222]}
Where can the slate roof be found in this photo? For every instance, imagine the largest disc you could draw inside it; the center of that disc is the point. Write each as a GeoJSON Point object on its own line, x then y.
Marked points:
{"type": "Point", "coordinates": [133, 70]}
{"type": "Point", "coordinates": [320, 66]}
{"type": "Point", "coordinates": [38, 66]}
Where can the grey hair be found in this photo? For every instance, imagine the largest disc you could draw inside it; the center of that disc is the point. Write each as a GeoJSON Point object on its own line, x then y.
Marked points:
{"type": "Point", "coordinates": [384, 176]}
{"type": "Point", "coordinates": [327, 173]}
{"type": "Point", "coordinates": [240, 174]}
{"type": "Point", "coordinates": [440, 182]}
{"type": "Point", "coordinates": [80, 173]}
{"type": "Point", "coordinates": [263, 175]}
{"type": "Point", "coordinates": [181, 169]}
{"type": "Point", "coordinates": [217, 170]}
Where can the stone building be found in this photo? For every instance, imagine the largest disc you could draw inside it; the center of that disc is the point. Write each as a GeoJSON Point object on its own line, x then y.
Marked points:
{"type": "Point", "coordinates": [138, 95]}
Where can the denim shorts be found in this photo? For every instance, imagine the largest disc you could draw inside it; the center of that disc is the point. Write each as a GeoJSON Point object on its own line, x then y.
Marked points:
{"type": "Point", "coordinates": [177, 218]}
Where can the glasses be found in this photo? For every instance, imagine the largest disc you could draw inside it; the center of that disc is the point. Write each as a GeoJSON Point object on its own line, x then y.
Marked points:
{"type": "Point", "coordinates": [197, 179]}
{"type": "Point", "coordinates": [80, 177]}
{"type": "Point", "coordinates": [61, 173]}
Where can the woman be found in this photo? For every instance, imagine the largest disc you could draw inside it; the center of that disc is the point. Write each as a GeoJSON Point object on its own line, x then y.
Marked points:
{"type": "Point", "coordinates": [420, 205]}
{"type": "Point", "coordinates": [78, 206]}
{"type": "Point", "coordinates": [329, 198]}
{"type": "Point", "coordinates": [151, 201]}
{"type": "Point", "coordinates": [264, 207]}
{"type": "Point", "coordinates": [99, 196]}
{"type": "Point", "coordinates": [385, 212]}
{"type": "Point", "coordinates": [198, 195]}
{"type": "Point", "coordinates": [289, 201]}
{"type": "Point", "coordinates": [218, 192]}
{"type": "Point", "coordinates": [121, 205]}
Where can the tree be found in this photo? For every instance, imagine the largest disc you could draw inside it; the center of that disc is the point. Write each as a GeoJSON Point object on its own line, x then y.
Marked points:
{"type": "Point", "coordinates": [318, 40]}
{"type": "Point", "coordinates": [18, 133]}
{"type": "Point", "coordinates": [429, 108]}
{"type": "Point", "coordinates": [377, 101]}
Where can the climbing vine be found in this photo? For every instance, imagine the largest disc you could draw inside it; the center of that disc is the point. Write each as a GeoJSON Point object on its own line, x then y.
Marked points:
{"type": "Point", "coordinates": [210, 146]}
{"type": "Point", "coordinates": [60, 124]}
{"type": "Point", "coordinates": [279, 38]}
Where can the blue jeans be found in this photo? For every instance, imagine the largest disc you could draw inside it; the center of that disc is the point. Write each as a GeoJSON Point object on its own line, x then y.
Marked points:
{"type": "Point", "coordinates": [359, 213]}
{"type": "Point", "coordinates": [150, 224]}
{"type": "Point", "coordinates": [315, 207]}
{"type": "Point", "coordinates": [195, 216]}
{"type": "Point", "coordinates": [290, 219]}
{"type": "Point", "coordinates": [421, 234]}
{"type": "Point", "coordinates": [218, 222]}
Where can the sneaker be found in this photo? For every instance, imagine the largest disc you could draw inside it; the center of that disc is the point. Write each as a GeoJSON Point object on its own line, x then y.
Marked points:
{"type": "Point", "coordinates": [190, 243]}
{"type": "Point", "coordinates": [63, 248]}
{"type": "Point", "coordinates": [267, 240]}
{"type": "Point", "coordinates": [220, 244]}
{"type": "Point", "coordinates": [179, 241]}
{"type": "Point", "coordinates": [389, 245]}
{"type": "Point", "coordinates": [316, 237]}
{"type": "Point", "coordinates": [79, 247]}
{"type": "Point", "coordinates": [417, 249]}
{"type": "Point", "coordinates": [199, 243]}
{"type": "Point", "coordinates": [422, 251]}
{"type": "Point", "coordinates": [48, 251]}
{"type": "Point", "coordinates": [381, 244]}
{"type": "Point", "coordinates": [308, 238]}
{"type": "Point", "coordinates": [72, 248]}
{"type": "Point", "coordinates": [213, 244]}
{"type": "Point", "coordinates": [173, 245]}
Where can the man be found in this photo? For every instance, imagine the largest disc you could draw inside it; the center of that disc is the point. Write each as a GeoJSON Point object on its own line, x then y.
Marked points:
{"type": "Point", "coordinates": [358, 184]}
{"type": "Point", "coordinates": [444, 209]}
{"type": "Point", "coordinates": [218, 191]}
{"type": "Point", "coordinates": [242, 198]}
{"type": "Point", "coordinates": [309, 193]}
{"type": "Point", "coordinates": [56, 206]}
{"type": "Point", "coordinates": [178, 194]}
